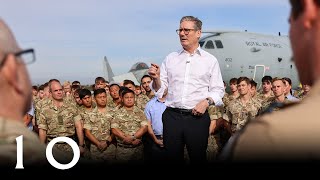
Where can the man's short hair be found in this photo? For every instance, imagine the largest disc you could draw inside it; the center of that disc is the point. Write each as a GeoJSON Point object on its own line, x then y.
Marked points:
{"type": "Point", "coordinates": [84, 92]}
{"type": "Point", "coordinates": [266, 79]}
{"type": "Point", "coordinates": [99, 79]}
{"type": "Point", "coordinates": [114, 85]}
{"type": "Point", "coordinates": [127, 81]}
{"type": "Point", "coordinates": [41, 87]}
{"type": "Point", "coordinates": [126, 91]}
{"type": "Point", "coordinates": [145, 76]}
{"type": "Point", "coordinates": [75, 87]}
{"type": "Point", "coordinates": [278, 79]}
{"type": "Point", "coordinates": [233, 81]}
{"type": "Point", "coordinates": [197, 22]}
{"type": "Point", "coordinates": [246, 79]}
{"type": "Point", "coordinates": [77, 91]}
{"type": "Point", "coordinates": [99, 91]}
{"type": "Point", "coordinates": [122, 88]}
{"type": "Point", "coordinates": [51, 81]}
{"type": "Point", "coordinates": [253, 83]}
{"type": "Point", "coordinates": [288, 80]}
{"type": "Point", "coordinates": [35, 87]}
{"type": "Point", "coordinates": [66, 83]}
{"type": "Point", "coordinates": [76, 82]}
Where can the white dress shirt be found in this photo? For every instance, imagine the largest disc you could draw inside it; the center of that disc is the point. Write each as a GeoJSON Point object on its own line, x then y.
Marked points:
{"type": "Point", "coordinates": [190, 78]}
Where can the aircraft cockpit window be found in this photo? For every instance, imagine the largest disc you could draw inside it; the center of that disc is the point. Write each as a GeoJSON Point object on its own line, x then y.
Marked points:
{"type": "Point", "coordinates": [218, 44]}
{"type": "Point", "coordinates": [201, 43]}
{"type": "Point", "coordinates": [209, 45]}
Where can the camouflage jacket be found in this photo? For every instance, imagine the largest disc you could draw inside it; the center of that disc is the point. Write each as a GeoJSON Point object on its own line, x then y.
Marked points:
{"type": "Point", "coordinates": [240, 113]}
{"type": "Point", "coordinates": [58, 121]}
{"type": "Point", "coordinates": [99, 123]}
{"type": "Point", "coordinates": [129, 122]}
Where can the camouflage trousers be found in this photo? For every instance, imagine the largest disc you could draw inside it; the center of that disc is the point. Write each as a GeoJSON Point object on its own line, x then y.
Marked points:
{"type": "Point", "coordinates": [108, 155]}
{"type": "Point", "coordinates": [129, 154]}
{"type": "Point", "coordinates": [212, 149]}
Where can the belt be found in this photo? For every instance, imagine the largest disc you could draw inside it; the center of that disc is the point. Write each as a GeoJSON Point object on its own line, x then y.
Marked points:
{"type": "Point", "coordinates": [181, 111]}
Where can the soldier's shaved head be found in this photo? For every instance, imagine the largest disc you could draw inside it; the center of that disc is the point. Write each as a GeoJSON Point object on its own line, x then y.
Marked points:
{"type": "Point", "coordinates": [8, 42]}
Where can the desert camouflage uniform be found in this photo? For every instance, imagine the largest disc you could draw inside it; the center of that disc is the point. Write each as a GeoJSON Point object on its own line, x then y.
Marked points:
{"type": "Point", "coordinates": [300, 95]}
{"type": "Point", "coordinates": [226, 99]}
{"type": "Point", "coordinates": [151, 95]}
{"type": "Point", "coordinates": [38, 107]}
{"type": "Point", "coordinates": [240, 113]}
{"type": "Point", "coordinates": [129, 123]}
{"type": "Point", "coordinates": [34, 152]}
{"type": "Point", "coordinates": [141, 101]}
{"type": "Point", "coordinates": [275, 106]}
{"type": "Point", "coordinates": [212, 149]}
{"type": "Point", "coordinates": [265, 101]}
{"type": "Point", "coordinates": [70, 99]}
{"type": "Point", "coordinates": [113, 105]}
{"type": "Point", "coordinates": [99, 125]}
{"type": "Point", "coordinates": [215, 112]}
{"type": "Point", "coordinates": [59, 122]}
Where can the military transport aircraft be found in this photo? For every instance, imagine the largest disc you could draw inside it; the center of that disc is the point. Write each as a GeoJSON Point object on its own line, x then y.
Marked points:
{"type": "Point", "coordinates": [250, 54]}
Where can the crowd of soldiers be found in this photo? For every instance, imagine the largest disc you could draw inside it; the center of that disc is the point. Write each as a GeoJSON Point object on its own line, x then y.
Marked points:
{"type": "Point", "coordinates": [109, 123]}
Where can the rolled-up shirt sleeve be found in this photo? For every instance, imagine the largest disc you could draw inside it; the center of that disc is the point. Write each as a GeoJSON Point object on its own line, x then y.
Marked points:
{"type": "Point", "coordinates": [216, 86]}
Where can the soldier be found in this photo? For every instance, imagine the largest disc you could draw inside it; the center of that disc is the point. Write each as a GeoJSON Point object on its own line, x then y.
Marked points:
{"type": "Point", "coordinates": [76, 99]}
{"type": "Point", "coordinates": [114, 93]}
{"type": "Point", "coordinates": [98, 129]}
{"type": "Point", "coordinates": [266, 87]}
{"type": "Point", "coordinates": [141, 100]}
{"type": "Point", "coordinates": [266, 96]}
{"type": "Point", "coordinates": [34, 92]}
{"type": "Point", "coordinates": [304, 92]}
{"type": "Point", "coordinates": [76, 83]}
{"type": "Point", "coordinates": [253, 89]}
{"type": "Point", "coordinates": [279, 99]}
{"type": "Point", "coordinates": [60, 119]}
{"type": "Point", "coordinates": [244, 107]}
{"type": "Point", "coordinates": [129, 125]}
{"type": "Point", "coordinates": [41, 103]}
{"type": "Point", "coordinates": [100, 82]}
{"type": "Point", "coordinates": [288, 92]}
{"type": "Point", "coordinates": [215, 113]}
{"type": "Point", "coordinates": [145, 81]}
{"type": "Point", "coordinates": [234, 93]}
{"type": "Point", "coordinates": [84, 110]}
{"type": "Point", "coordinates": [292, 134]}
{"type": "Point", "coordinates": [67, 90]}
{"type": "Point", "coordinates": [137, 90]}
{"type": "Point", "coordinates": [15, 95]}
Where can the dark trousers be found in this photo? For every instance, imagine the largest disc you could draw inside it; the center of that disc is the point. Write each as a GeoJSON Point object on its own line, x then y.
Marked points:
{"type": "Point", "coordinates": [185, 129]}
{"type": "Point", "coordinates": [153, 153]}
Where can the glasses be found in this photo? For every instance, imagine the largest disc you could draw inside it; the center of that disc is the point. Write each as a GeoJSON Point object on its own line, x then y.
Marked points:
{"type": "Point", "coordinates": [27, 56]}
{"type": "Point", "coordinates": [186, 31]}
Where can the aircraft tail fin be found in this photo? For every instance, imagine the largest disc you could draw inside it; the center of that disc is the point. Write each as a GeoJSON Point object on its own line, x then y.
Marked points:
{"type": "Point", "coordinates": [107, 70]}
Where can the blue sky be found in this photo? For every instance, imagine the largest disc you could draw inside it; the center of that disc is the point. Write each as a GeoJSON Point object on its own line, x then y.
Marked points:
{"type": "Point", "coordinates": [71, 37]}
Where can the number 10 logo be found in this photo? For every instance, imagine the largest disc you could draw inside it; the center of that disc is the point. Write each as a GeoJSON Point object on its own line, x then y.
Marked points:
{"type": "Point", "coordinates": [50, 158]}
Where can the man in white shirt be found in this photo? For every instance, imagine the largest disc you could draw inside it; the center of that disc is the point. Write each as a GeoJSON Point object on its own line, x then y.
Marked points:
{"type": "Point", "coordinates": [193, 79]}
